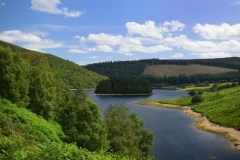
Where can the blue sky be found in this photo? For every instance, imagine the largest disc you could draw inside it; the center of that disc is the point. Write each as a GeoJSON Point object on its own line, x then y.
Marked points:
{"type": "Point", "coordinates": [106, 30]}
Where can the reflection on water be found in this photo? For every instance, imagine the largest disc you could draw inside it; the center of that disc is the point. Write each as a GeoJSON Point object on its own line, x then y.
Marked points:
{"type": "Point", "coordinates": [175, 135]}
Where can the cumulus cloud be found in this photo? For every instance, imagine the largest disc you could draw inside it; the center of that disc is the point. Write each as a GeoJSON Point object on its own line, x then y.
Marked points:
{"type": "Point", "coordinates": [28, 40]}
{"type": "Point", "coordinates": [51, 6]}
{"type": "Point", "coordinates": [219, 41]}
{"type": "Point", "coordinates": [213, 54]}
{"type": "Point", "coordinates": [173, 26]}
{"type": "Point", "coordinates": [101, 48]}
{"type": "Point", "coordinates": [222, 32]}
{"type": "Point", "coordinates": [105, 39]}
{"type": "Point", "coordinates": [202, 46]}
{"type": "Point", "coordinates": [146, 30]}
{"type": "Point", "coordinates": [149, 29]}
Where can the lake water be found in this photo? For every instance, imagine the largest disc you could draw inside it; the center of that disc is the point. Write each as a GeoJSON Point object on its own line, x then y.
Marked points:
{"type": "Point", "coordinates": [175, 136]}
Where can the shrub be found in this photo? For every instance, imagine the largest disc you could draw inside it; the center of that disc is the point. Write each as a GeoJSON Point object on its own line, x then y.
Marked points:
{"type": "Point", "coordinates": [197, 99]}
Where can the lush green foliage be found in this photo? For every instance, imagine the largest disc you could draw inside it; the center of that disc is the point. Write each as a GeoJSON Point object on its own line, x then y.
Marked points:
{"type": "Point", "coordinates": [73, 75]}
{"type": "Point", "coordinates": [127, 133]}
{"type": "Point", "coordinates": [82, 122]}
{"type": "Point", "coordinates": [197, 99]}
{"type": "Point", "coordinates": [124, 86]}
{"type": "Point", "coordinates": [26, 125]}
{"type": "Point", "coordinates": [41, 118]}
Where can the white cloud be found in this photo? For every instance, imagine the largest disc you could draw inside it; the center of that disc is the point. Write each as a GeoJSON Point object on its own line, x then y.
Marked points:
{"type": "Point", "coordinates": [82, 39]}
{"type": "Point", "coordinates": [105, 39]}
{"type": "Point", "coordinates": [149, 38]}
{"type": "Point", "coordinates": [213, 54]}
{"type": "Point", "coordinates": [77, 51]}
{"type": "Point", "coordinates": [222, 32]}
{"type": "Point", "coordinates": [173, 26]}
{"type": "Point", "coordinates": [177, 55]}
{"type": "Point", "coordinates": [28, 40]}
{"type": "Point", "coordinates": [202, 46]}
{"type": "Point", "coordinates": [101, 48]}
{"type": "Point", "coordinates": [146, 30]}
{"type": "Point", "coordinates": [149, 29]}
{"type": "Point", "coordinates": [51, 6]}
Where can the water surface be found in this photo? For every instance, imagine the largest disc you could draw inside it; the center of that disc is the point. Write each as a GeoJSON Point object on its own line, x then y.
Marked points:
{"type": "Point", "coordinates": [175, 136]}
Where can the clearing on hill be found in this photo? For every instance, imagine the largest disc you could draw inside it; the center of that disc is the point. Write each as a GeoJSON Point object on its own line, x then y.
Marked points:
{"type": "Point", "coordinates": [175, 70]}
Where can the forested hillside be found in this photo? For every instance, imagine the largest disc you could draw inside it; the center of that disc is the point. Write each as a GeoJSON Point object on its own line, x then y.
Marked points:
{"type": "Point", "coordinates": [72, 74]}
{"type": "Point", "coordinates": [41, 118]}
{"type": "Point", "coordinates": [172, 72]}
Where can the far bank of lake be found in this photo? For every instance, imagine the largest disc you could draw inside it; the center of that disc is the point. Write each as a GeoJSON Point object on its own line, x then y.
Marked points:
{"type": "Point", "coordinates": [175, 134]}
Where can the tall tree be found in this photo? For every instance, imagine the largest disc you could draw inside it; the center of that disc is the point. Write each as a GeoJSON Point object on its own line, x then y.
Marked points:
{"type": "Point", "coordinates": [82, 122]}
{"type": "Point", "coordinates": [127, 134]}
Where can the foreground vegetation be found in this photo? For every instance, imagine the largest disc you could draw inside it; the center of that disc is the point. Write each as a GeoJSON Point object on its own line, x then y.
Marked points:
{"type": "Point", "coordinates": [41, 118]}
{"type": "Point", "coordinates": [221, 106]}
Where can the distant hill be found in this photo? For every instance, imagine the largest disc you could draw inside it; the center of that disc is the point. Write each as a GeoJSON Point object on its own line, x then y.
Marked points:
{"type": "Point", "coordinates": [72, 74]}
{"type": "Point", "coordinates": [173, 72]}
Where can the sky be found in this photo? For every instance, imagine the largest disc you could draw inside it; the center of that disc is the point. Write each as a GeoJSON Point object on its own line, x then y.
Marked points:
{"type": "Point", "coordinates": [91, 31]}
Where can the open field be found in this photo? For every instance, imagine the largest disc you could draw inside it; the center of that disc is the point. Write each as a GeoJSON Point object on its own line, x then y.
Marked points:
{"type": "Point", "coordinates": [175, 70]}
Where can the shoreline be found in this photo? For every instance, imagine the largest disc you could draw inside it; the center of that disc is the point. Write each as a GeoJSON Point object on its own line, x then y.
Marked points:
{"type": "Point", "coordinates": [122, 94]}
{"type": "Point", "coordinates": [201, 122]}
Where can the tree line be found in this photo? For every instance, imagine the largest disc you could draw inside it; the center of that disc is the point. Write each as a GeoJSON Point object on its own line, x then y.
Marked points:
{"type": "Point", "coordinates": [128, 69]}
{"type": "Point", "coordinates": [124, 86]}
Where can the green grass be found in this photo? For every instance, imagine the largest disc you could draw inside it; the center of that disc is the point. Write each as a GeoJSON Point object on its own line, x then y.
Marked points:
{"type": "Point", "coordinates": [222, 107]}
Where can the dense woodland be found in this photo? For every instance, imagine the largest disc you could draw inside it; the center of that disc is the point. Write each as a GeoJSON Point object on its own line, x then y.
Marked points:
{"type": "Point", "coordinates": [124, 86]}
{"type": "Point", "coordinates": [72, 74]}
{"type": "Point", "coordinates": [135, 69]}
{"type": "Point", "coordinates": [41, 118]}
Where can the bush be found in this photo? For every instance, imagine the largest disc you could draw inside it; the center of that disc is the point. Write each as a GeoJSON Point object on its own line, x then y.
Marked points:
{"type": "Point", "coordinates": [197, 99]}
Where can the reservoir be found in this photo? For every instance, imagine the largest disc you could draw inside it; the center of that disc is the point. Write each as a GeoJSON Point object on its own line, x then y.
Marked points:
{"type": "Point", "coordinates": [176, 138]}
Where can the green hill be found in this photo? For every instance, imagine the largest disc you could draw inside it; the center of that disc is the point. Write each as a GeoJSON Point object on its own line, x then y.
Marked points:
{"type": "Point", "coordinates": [172, 72]}
{"type": "Point", "coordinates": [72, 74]}
{"type": "Point", "coordinates": [221, 107]}
{"type": "Point", "coordinates": [175, 70]}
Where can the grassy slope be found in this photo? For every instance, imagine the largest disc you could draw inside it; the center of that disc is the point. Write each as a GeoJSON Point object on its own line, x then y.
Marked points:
{"type": "Point", "coordinates": [175, 70]}
{"type": "Point", "coordinates": [72, 74]}
{"type": "Point", "coordinates": [221, 107]}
